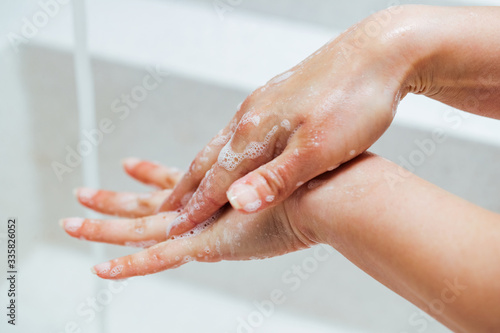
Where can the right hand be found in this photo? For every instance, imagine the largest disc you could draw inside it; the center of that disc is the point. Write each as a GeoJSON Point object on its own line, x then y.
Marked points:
{"type": "Point", "coordinates": [323, 112]}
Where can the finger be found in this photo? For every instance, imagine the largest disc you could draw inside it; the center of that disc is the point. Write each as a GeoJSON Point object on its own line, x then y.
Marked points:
{"type": "Point", "coordinates": [275, 181]}
{"type": "Point", "coordinates": [203, 161]}
{"type": "Point", "coordinates": [123, 204]}
{"type": "Point", "coordinates": [210, 194]}
{"type": "Point", "coordinates": [157, 258]}
{"type": "Point", "coordinates": [151, 173]}
{"type": "Point", "coordinates": [170, 254]}
{"type": "Point", "coordinates": [185, 188]}
{"type": "Point", "coordinates": [229, 236]}
{"type": "Point", "coordinates": [142, 232]}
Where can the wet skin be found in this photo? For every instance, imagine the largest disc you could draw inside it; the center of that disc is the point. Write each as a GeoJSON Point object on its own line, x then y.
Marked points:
{"type": "Point", "coordinates": [272, 161]}
{"type": "Point", "coordinates": [335, 104]}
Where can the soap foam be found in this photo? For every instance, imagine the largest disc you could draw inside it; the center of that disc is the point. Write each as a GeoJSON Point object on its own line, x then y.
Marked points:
{"type": "Point", "coordinates": [292, 134]}
{"type": "Point", "coordinates": [142, 244]}
{"type": "Point", "coordinates": [285, 124]}
{"type": "Point", "coordinates": [229, 160]}
{"type": "Point", "coordinates": [217, 246]}
{"type": "Point", "coordinates": [253, 206]}
{"type": "Point", "coordinates": [103, 268]}
{"type": "Point", "coordinates": [281, 77]}
{"type": "Point", "coordinates": [221, 139]}
{"type": "Point", "coordinates": [270, 198]}
{"type": "Point", "coordinates": [116, 270]}
{"type": "Point", "coordinates": [199, 228]}
{"type": "Point", "coordinates": [250, 117]}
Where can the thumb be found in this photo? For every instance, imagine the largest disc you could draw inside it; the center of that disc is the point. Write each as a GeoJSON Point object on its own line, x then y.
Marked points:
{"type": "Point", "coordinates": [273, 182]}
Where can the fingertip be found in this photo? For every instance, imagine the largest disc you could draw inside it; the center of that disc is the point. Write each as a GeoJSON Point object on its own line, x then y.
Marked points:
{"type": "Point", "coordinates": [72, 224]}
{"type": "Point", "coordinates": [233, 199]}
{"type": "Point", "coordinates": [85, 194]}
{"type": "Point", "coordinates": [244, 197]}
{"type": "Point", "coordinates": [130, 162]}
{"type": "Point", "coordinates": [270, 198]}
{"type": "Point", "coordinates": [102, 269]}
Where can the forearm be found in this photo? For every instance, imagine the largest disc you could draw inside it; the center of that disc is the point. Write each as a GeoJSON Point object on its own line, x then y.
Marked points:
{"type": "Point", "coordinates": [454, 52]}
{"type": "Point", "coordinates": [411, 236]}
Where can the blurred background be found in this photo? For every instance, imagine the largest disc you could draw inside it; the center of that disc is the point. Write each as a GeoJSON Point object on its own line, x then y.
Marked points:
{"type": "Point", "coordinates": [165, 76]}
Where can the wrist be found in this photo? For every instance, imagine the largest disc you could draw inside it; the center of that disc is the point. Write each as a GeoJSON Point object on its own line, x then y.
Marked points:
{"type": "Point", "coordinates": [410, 48]}
{"type": "Point", "coordinates": [333, 206]}
{"type": "Point", "coordinates": [392, 50]}
{"type": "Point", "coordinates": [427, 50]}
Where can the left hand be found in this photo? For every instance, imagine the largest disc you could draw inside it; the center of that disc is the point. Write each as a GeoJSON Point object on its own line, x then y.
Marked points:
{"type": "Point", "coordinates": [234, 236]}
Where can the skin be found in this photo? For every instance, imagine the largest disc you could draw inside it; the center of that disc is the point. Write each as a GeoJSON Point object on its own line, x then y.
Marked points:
{"type": "Point", "coordinates": [413, 237]}
{"type": "Point", "coordinates": [420, 241]}
{"type": "Point", "coordinates": [336, 103]}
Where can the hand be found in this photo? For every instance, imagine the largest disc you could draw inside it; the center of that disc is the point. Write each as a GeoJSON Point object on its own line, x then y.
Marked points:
{"type": "Point", "coordinates": [320, 114]}
{"type": "Point", "coordinates": [354, 209]}
{"type": "Point", "coordinates": [228, 235]}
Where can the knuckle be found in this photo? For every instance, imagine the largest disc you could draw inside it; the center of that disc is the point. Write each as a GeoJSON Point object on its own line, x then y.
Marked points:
{"type": "Point", "coordinates": [210, 198]}
{"type": "Point", "coordinates": [224, 135]}
{"type": "Point", "coordinates": [250, 100]}
{"type": "Point", "coordinates": [205, 199]}
{"type": "Point", "coordinates": [211, 179]}
{"type": "Point", "coordinates": [197, 165]}
{"type": "Point", "coordinates": [157, 257]}
{"type": "Point", "coordinates": [308, 152]}
{"type": "Point", "coordinates": [139, 225]}
{"type": "Point", "coordinates": [246, 124]}
{"type": "Point", "coordinates": [203, 160]}
{"type": "Point", "coordinates": [315, 140]}
{"type": "Point", "coordinates": [193, 169]}
{"type": "Point", "coordinates": [168, 181]}
{"type": "Point", "coordinates": [250, 119]}
{"type": "Point", "coordinates": [204, 157]}
{"type": "Point", "coordinates": [276, 179]}
{"type": "Point", "coordinates": [92, 229]}
{"type": "Point", "coordinates": [173, 201]}
{"type": "Point", "coordinates": [179, 192]}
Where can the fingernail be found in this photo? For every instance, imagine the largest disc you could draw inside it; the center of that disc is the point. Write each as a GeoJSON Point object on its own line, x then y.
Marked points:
{"type": "Point", "coordinates": [71, 224]}
{"type": "Point", "coordinates": [130, 162]}
{"type": "Point", "coordinates": [101, 268]}
{"type": "Point", "coordinates": [85, 193]}
{"type": "Point", "coordinates": [242, 196]}
{"type": "Point", "coordinates": [92, 269]}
